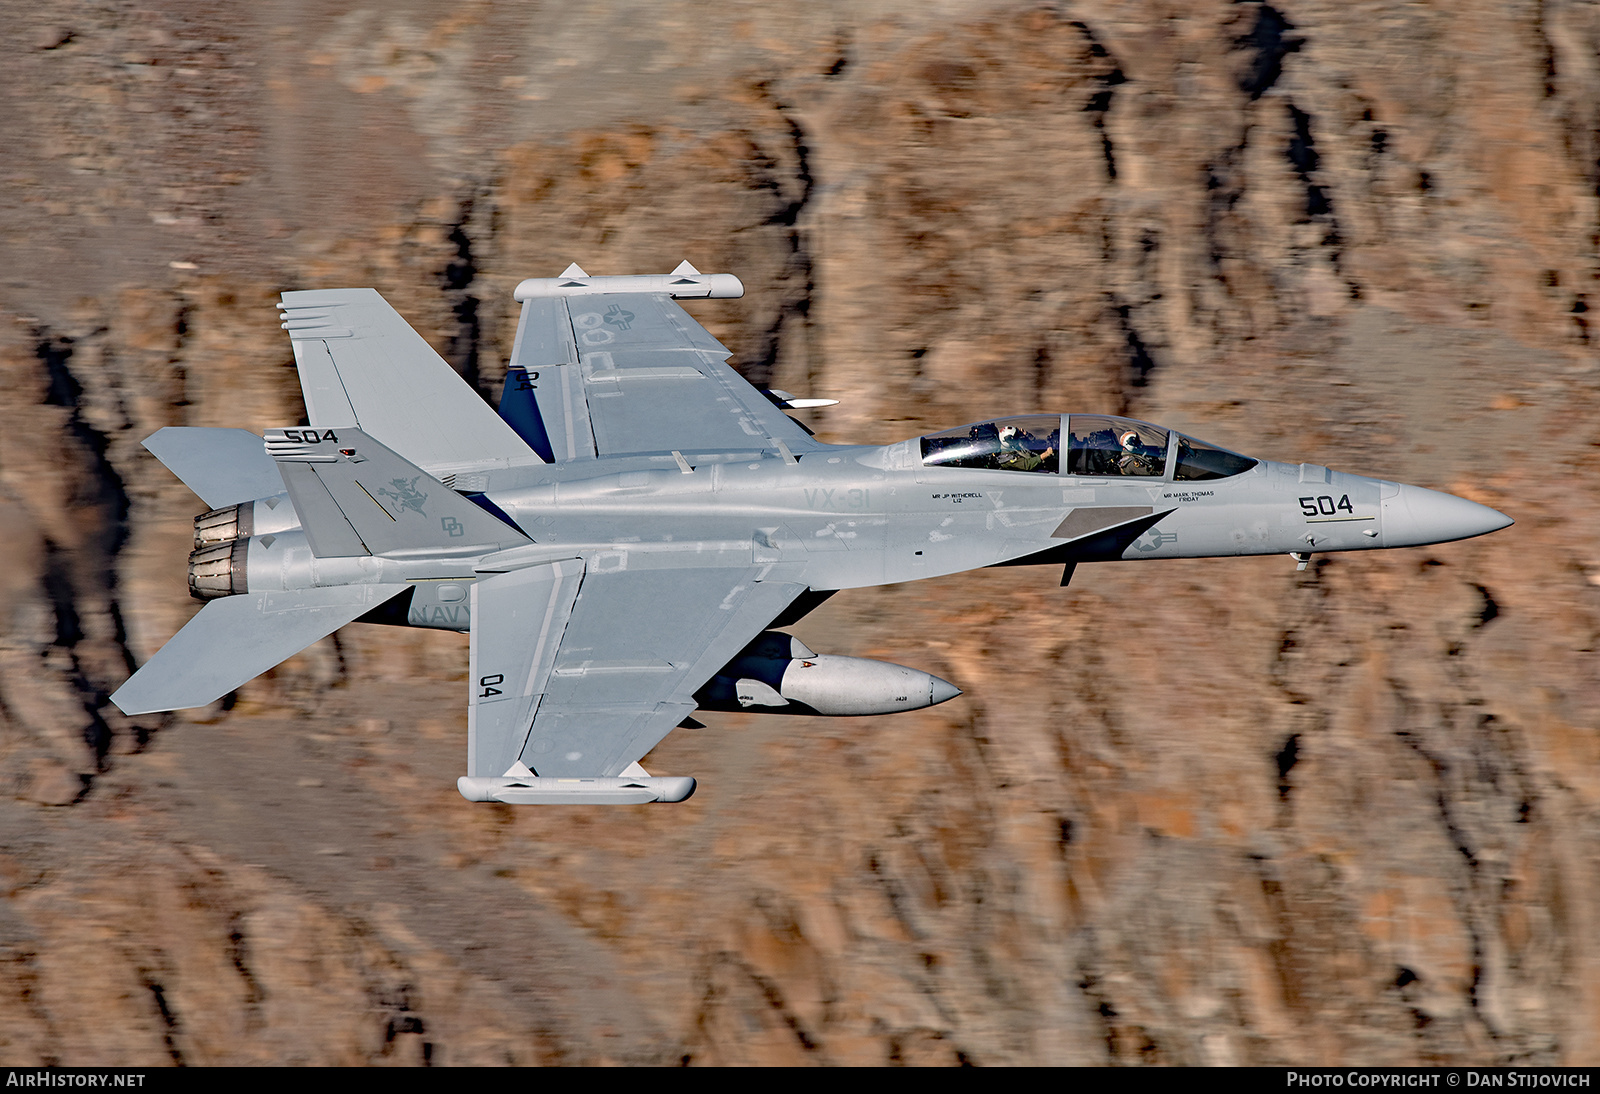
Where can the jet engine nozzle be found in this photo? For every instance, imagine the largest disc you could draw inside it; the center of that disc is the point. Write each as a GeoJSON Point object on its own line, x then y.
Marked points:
{"type": "Point", "coordinates": [218, 570]}
{"type": "Point", "coordinates": [225, 524]}
{"type": "Point", "coordinates": [222, 539]}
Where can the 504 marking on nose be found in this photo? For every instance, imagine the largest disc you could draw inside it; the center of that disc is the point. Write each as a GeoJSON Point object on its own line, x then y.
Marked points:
{"type": "Point", "coordinates": [1322, 509]}
{"type": "Point", "coordinates": [1325, 506]}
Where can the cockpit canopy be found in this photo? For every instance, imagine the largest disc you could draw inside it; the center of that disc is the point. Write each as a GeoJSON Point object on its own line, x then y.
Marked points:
{"type": "Point", "coordinates": [1007, 444]}
{"type": "Point", "coordinates": [1096, 445]}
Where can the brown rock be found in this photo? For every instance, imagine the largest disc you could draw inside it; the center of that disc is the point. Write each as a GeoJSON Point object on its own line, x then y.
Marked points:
{"type": "Point", "coordinates": [1193, 812]}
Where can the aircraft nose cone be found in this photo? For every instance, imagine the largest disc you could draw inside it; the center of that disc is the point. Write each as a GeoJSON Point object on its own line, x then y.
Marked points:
{"type": "Point", "coordinates": [941, 691]}
{"type": "Point", "coordinates": [1413, 517]}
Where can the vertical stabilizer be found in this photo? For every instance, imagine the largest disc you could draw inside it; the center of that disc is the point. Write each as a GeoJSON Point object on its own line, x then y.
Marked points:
{"type": "Point", "coordinates": [362, 365]}
{"type": "Point", "coordinates": [521, 411]}
{"type": "Point", "coordinates": [356, 496]}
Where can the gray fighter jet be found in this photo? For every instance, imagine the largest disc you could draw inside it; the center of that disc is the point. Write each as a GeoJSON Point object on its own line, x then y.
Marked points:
{"type": "Point", "coordinates": [622, 540]}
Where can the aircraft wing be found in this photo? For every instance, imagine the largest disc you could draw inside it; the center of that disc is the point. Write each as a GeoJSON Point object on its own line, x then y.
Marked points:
{"type": "Point", "coordinates": [578, 673]}
{"type": "Point", "coordinates": [631, 372]}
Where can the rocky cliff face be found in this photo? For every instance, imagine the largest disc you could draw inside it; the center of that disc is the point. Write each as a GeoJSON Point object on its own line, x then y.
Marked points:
{"type": "Point", "coordinates": [1186, 812]}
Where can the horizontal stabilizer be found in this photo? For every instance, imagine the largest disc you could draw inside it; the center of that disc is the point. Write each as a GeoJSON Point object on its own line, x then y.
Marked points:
{"type": "Point", "coordinates": [356, 497]}
{"type": "Point", "coordinates": [237, 638]}
{"type": "Point", "coordinates": [588, 791]}
{"type": "Point", "coordinates": [223, 466]}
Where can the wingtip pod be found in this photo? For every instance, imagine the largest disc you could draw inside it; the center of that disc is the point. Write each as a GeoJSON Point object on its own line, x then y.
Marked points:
{"type": "Point", "coordinates": [586, 791]}
{"type": "Point", "coordinates": [684, 283]}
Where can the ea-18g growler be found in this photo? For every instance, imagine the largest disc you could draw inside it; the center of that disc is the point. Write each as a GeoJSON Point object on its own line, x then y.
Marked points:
{"type": "Point", "coordinates": [624, 539]}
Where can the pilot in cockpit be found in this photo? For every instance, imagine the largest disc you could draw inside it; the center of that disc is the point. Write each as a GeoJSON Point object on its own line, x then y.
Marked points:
{"type": "Point", "coordinates": [1016, 454]}
{"type": "Point", "coordinates": [1136, 458]}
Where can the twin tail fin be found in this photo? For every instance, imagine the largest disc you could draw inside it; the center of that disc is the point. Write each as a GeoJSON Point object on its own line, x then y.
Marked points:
{"type": "Point", "coordinates": [357, 497]}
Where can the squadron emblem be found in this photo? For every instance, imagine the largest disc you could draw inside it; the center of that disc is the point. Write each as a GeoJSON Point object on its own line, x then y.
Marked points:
{"type": "Point", "coordinates": [406, 494]}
